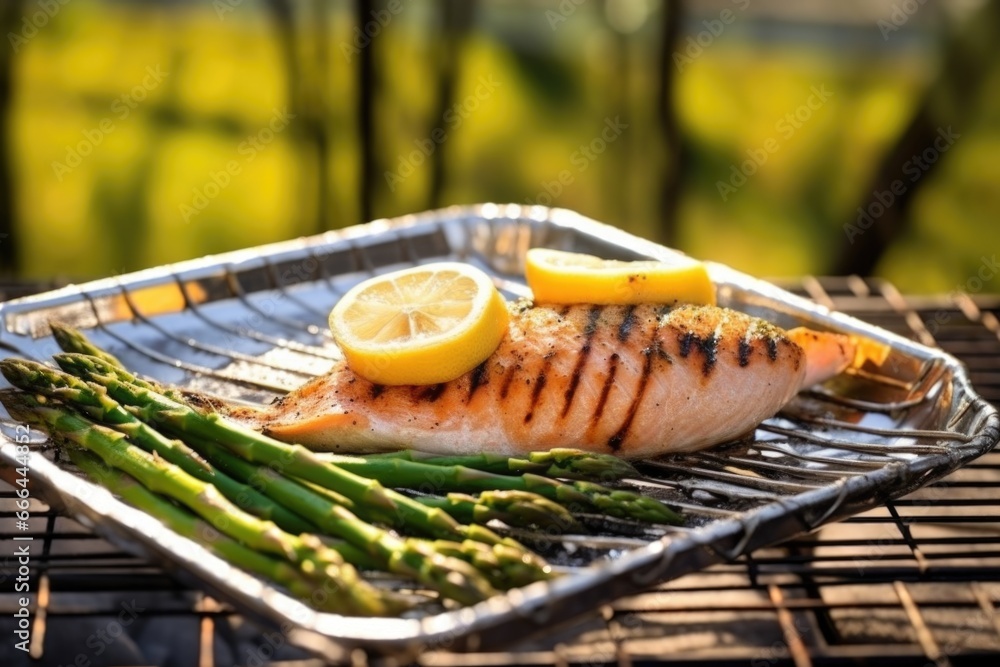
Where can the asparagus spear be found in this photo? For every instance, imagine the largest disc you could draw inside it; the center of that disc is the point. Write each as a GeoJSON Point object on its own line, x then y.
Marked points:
{"type": "Point", "coordinates": [391, 507]}
{"type": "Point", "coordinates": [558, 462]}
{"type": "Point", "coordinates": [577, 495]}
{"type": "Point", "coordinates": [73, 340]}
{"type": "Point", "coordinates": [94, 402]}
{"type": "Point", "coordinates": [515, 508]}
{"type": "Point", "coordinates": [507, 567]}
{"type": "Point", "coordinates": [70, 339]}
{"type": "Point", "coordinates": [190, 526]}
{"type": "Point", "coordinates": [441, 565]}
{"type": "Point", "coordinates": [313, 559]}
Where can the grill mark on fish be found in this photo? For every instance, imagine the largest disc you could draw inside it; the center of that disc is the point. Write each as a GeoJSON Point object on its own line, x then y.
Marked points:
{"type": "Point", "coordinates": [745, 348]}
{"type": "Point", "coordinates": [772, 348]}
{"type": "Point", "coordinates": [540, 381]}
{"type": "Point", "coordinates": [505, 387]}
{"type": "Point", "coordinates": [377, 390]}
{"type": "Point", "coordinates": [686, 340]}
{"type": "Point", "coordinates": [589, 330]}
{"type": "Point", "coordinates": [710, 346]}
{"type": "Point", "coordinates": [477, 379]}
{"type": "Point", "coordinates": [615, 441]}
{"type": "Point", "coordinates": [658, 348]}
{"type": "Point", "coordinates": [433, 393]}
{"type": "Point", "coordinates": [627, 324]}
{"type": "Point", "coordinates": [605, 390]}
{"type": "Point", "coordinates": [593, 316]}
{"type": "Point", "coordinates": [662, 353]}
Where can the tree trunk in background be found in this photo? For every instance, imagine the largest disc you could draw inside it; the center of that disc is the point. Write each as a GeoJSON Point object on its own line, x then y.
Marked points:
{"type": "Point", "coordinates": [456, 19]}
{"type": "Point", "coordinates": [948, 103]}
{"type": "Point", "coordinates": [366, 111]}
{"type": "Point", "coordinates": [322, 137]}
{"type": "Point", "coordinates": [673, 141]}
{"type": "Point", "coordinates": [307, 81]}
{"type": "Point", "coordinates": [10, 12]}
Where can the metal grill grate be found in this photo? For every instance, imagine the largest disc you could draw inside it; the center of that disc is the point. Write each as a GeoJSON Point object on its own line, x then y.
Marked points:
{"type": "Point", "coordinates": [915, 579]}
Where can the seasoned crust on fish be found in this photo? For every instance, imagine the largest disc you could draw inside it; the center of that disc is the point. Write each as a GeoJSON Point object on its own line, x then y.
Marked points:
{"type": "Point", "coordinates": [635, 381]}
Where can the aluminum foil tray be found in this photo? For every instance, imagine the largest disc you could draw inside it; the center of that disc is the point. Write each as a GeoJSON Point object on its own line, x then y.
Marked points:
{"type": "Point", "coordinates": [252, 325]}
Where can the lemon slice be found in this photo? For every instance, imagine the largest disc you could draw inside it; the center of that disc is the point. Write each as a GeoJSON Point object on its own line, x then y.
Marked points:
{"type": "Point", "coordinates": [424, 325]}
{"type": "Point", "coordinates": [555, 276]}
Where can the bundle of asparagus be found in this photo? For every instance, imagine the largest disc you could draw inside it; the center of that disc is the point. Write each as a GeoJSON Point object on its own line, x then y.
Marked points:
{"type": "Point", "coordinates": [264, 504]}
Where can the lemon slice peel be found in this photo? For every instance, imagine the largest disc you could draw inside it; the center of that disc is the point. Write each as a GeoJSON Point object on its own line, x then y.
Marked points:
{"type": "Point", "coordinates": [556, 276]}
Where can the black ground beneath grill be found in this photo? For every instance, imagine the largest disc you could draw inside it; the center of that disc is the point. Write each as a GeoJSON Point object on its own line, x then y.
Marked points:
{"type": "Point", "coordinates": [914, 582]}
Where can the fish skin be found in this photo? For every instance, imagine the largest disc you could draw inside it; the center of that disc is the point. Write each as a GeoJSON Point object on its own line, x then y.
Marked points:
{"type": "Point", "coordinates": [635, 381]}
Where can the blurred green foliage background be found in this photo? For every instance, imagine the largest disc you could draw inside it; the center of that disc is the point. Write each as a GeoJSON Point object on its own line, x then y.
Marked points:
{"type": "Point", "coordinates": [138, 133]}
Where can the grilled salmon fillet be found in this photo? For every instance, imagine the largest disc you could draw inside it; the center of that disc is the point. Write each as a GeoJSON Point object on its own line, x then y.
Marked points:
{"type": "Point", "coordinates": [636, 381]}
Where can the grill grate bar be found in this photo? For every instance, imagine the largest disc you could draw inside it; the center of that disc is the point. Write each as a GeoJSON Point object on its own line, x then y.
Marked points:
{"type": "Point", "coordinates": [276, 341]}
{"type": "Point", "coordinates": [247, 302]}
{"type": "Point", "coordinates": [904, 529]}
{"type": "Point", "coordinates": [986, 604]}
{"type": "Point", "coordinates": [900, 305]}
{"type": "Point", "coordinates": [868, 449]}
{"type": "Point", "coordinates": [279, 285]}
{"type": "Point", "coordinates": [793, 639]}
{"type": "Point", "coordinates": [206, 347]}
{"type": "Point", "coordinates": [868, 406]}
{"type": "Point", "coordinates": [773, 445]}
{"type": "Point", "coordinates": [36, 648]}
{"type": "Point", "coordinates": [890, 433]}
{"type": "Point", "coordinates": [924, 636]}
{"type": "Point", "coordinates": [165, 360]}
